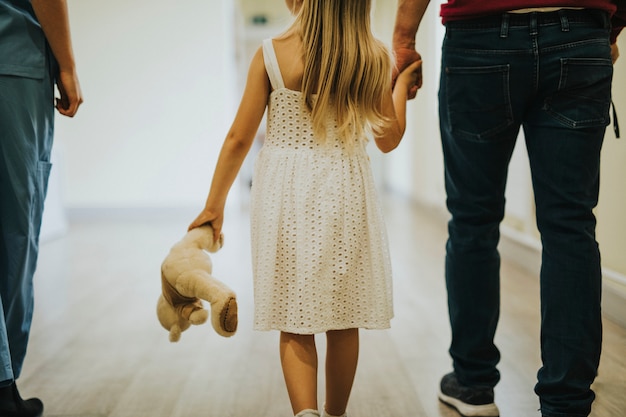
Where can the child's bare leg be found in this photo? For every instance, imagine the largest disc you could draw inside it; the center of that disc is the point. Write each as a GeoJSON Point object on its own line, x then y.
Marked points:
{"type": "Point", "coordinates": [298, 357]}
{"type": "Point", "coordinates": [341, 360]}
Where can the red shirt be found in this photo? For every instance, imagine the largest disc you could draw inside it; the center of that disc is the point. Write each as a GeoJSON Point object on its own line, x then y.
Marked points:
{"type": "Point", "coordinates": [468, 9]}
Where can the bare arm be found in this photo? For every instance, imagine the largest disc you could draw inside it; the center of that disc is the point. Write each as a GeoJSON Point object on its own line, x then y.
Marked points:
{"type": "Point", "coordinates": [54, 20]}
{"type": "Point", "coordinates": [236, 145]}
{"type": "Point", "coordinates": [614, 52]}
{"type": "Point", "coordinates": [394, 108]}
{"type": "Point", "coordinates": [408, 18]}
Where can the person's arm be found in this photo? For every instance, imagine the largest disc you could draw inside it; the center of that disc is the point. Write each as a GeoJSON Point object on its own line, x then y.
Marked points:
{"type": "Point", "coordinates": [236, 145]}
{"type": "Point", "coordinates": [394, 108]}
{"type": "Point", "coordinates": [408, 18]}
{"type": "Point", "coordinates": [54, 21]}
{"type": "Point", "coordinates": [614, 52]}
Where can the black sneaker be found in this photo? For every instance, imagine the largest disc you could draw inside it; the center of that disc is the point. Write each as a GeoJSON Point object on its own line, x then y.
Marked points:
{"type": "Point", "coordinates": [468, 401]}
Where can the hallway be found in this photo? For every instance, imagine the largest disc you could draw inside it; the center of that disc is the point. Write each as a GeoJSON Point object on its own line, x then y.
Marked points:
{"type": "Point", "coordinates": [98, 350]}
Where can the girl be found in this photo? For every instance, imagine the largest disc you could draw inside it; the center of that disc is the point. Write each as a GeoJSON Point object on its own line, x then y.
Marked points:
{"type": "Point", "coordinates": [320, 254]}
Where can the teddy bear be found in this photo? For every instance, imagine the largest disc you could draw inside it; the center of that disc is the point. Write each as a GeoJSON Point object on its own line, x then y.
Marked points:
{"type": "Point", "coordinates": [186, 280]}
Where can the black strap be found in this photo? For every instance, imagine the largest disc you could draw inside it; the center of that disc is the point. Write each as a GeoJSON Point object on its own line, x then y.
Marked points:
{"type": "Point", "coordinates": [615, 122]}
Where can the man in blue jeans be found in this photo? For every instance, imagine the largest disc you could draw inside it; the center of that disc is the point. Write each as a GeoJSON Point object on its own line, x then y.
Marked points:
{"type": "Point", "coordinates": [544, 66]}
{"type": "Point", "coordinates": [35, 53]}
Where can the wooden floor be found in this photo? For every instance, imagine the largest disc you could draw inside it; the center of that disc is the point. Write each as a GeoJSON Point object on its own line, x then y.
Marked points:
{"type": "Point", "coordinates": [97, 349]}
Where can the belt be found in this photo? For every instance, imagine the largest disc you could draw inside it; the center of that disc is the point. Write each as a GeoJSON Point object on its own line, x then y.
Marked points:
{"type": "Point", "coordinates": [541, 18]}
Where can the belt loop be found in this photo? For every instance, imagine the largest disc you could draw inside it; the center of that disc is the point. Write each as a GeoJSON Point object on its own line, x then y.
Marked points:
{"type": "Point", "coordinates": [564, 21]}
{"type": "Point", "coordinates": [533, 24]}
{"type": "Point", "coordinates": [504, 28]}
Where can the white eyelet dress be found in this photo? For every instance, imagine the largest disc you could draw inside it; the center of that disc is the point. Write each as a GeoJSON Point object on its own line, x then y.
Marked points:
{"type": "Point", "coordinates": [319, 245]}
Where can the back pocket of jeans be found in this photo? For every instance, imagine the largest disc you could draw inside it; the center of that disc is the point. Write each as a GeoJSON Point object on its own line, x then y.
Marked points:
{"type": "Point", "coordinates": [478, 101]}
{"type": "Point", "coordinates": [583, 97]}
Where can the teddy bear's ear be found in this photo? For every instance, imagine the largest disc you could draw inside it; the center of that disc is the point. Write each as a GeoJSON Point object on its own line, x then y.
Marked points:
{"type": "Point", "coordinates": [175, 332]}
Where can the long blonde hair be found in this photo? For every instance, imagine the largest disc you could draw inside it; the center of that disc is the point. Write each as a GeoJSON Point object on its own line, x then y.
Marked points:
{"type": "Point", "coordinates": [344, 65]}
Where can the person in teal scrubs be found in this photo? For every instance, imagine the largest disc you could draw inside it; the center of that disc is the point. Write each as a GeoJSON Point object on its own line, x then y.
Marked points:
{"type": "Point", "coordinates": [35, 54]}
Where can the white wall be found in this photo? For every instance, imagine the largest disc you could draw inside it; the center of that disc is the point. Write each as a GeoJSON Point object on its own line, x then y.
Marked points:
{"type": "Point", "coordinates": [158, 79]}
{"type": "Point", "coordinates": [415, 168]}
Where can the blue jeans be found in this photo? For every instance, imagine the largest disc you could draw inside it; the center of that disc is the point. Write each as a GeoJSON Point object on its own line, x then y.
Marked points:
{"type": "Point", "coordinates": [549, 73]}
{"type": "Point", "coordinates": [26, 129]}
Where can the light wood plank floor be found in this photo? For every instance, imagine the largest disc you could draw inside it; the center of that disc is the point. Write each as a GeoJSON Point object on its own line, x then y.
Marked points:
{"type": "Point", "coordinates": [97, 349]}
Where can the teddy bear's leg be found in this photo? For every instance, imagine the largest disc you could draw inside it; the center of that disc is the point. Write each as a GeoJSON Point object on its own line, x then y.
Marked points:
{"type": "Point", "coordinates": [201, 284]}
{"type": "Point", "coordinates": [170, 319]}
{"type": "Point", "coordinates": [224, 317]}
{"type": "Point", "coordinates": [198, 316]}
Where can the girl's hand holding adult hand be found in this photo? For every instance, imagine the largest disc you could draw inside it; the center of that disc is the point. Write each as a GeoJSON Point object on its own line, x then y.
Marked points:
{"type": "Point", "coordinates": [406, 57]}
{"type": "Point", "coordinates": [411, 78]}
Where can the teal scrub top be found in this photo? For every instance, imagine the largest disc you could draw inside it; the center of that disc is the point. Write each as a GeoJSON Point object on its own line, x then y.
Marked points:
{"type": "Point", "coordinates": [23, 46]}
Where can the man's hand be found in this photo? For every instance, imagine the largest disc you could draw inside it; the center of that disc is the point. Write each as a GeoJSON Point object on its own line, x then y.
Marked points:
{"type": "Point", "coordinates": [71, 95]}
{"type": "Point", "coordinates": [404, 57]}
{"type": "Point", "coordinates": [408, 17]}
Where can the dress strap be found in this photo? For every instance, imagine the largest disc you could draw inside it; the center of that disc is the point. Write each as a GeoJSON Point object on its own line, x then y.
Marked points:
{"type": "Point", "coordinates": [271, 65]}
